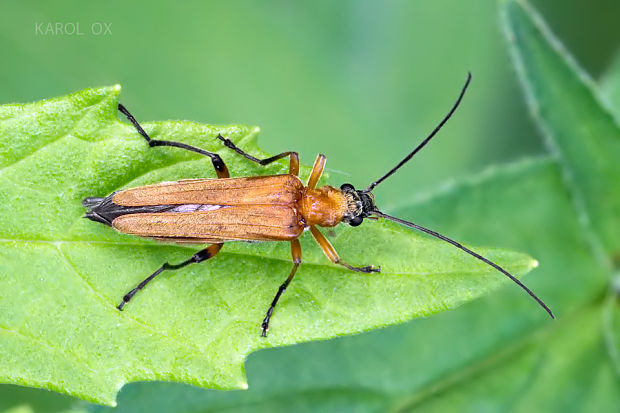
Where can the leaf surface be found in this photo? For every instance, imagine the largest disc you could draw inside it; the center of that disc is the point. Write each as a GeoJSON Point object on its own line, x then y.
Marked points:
{"type": "Point", "coordinates": [61, 276]}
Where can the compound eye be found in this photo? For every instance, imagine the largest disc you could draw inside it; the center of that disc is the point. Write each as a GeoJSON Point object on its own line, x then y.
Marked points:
{"type": "Point", "coordinates": [347, 187]}
{"type": "Point", "coordinates": [356, 221]}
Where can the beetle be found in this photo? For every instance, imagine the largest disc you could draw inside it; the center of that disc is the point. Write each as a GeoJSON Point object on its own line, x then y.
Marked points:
{"type": "Point", "coordinates": [257, 208]}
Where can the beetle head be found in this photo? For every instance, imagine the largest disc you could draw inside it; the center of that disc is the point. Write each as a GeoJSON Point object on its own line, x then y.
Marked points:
{"type": "Point", "coordinates": [360, 204]}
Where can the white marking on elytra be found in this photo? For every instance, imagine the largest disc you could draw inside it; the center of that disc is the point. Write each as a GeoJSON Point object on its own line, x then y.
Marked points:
{"type": "Point", "coordinates": [196, 207]}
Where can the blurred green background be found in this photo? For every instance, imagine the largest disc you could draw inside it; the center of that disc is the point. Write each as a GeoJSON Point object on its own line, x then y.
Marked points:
{"type": "Point", "coordinates": [360, 81]}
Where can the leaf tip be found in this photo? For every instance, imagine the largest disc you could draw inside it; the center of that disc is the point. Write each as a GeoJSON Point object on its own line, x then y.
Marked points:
{"type": "Point", "coordinates": [254, 130]}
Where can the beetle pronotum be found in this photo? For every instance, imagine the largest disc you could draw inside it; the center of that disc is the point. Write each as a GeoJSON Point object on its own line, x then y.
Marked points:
{"type": "Point", "coordinates": [258, 208]}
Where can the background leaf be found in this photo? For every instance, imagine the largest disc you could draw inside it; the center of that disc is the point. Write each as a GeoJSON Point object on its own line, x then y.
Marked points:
{"type": "Point", "coordinates": [198, 325]}
{"type": "Point", "coordinates": [610, 85]}
{"type": "Point", "coordinates": [577, 126]}
{"type": "Point", "coordinates": [586, 135]}
{"type": "Point", "coordinates": [610, 88]}
{"type": "Point", "coordinates": [543, 374]}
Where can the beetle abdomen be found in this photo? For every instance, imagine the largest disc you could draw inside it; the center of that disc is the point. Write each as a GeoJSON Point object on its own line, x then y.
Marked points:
{"type": "Point", "coordinates": [105, 211]}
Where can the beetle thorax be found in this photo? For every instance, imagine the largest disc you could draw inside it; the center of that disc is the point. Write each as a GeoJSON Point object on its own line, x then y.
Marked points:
{"type": "Point", "coordinates": [325, 206]}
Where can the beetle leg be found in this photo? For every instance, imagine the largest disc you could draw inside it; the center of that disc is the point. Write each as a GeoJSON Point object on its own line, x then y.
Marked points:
{"type": "Point", "coordinates": [317, 171]}
{"type": "Point", "coordinates": [200, 256]}
{"type": "Point", "coordinates": [220, 167]}
{"type": "Point", "coordinates": [296, 253]}
{"type": "Point", "coordinates": [331, 253]}
{"type": "Point", "coordinates": [294, 165]}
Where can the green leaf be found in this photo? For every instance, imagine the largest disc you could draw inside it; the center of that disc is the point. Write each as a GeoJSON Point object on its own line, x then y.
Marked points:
{"type": "Point", "coordinates": [61, 276]}
{"type": "Point", "coordinates": [610, 85]}
{"type": "Point", "coordinates": [522, 205]}
{"type": "Point", "coordinates": [611, 325]}
{"type": "Point", "coordinates": [578, 128]}
{"type": "Point", "coordinates": [546, 373]}
{"type": "Point", "coordinates": [586, 136]}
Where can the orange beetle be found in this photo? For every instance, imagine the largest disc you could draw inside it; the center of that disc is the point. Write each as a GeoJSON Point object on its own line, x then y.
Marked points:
{"type": "Point", "coordinates": [258, 208]}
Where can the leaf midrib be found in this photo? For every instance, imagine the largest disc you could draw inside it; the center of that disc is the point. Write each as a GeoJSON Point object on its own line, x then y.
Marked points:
{"type": "Point", "coordinates": [323, 263]}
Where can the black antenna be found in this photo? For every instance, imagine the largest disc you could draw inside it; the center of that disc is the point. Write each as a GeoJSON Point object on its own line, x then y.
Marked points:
{"type": "Point", "coordinates": [425, 141]}
{"type": "Point", "coordinates": [467, 250]}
